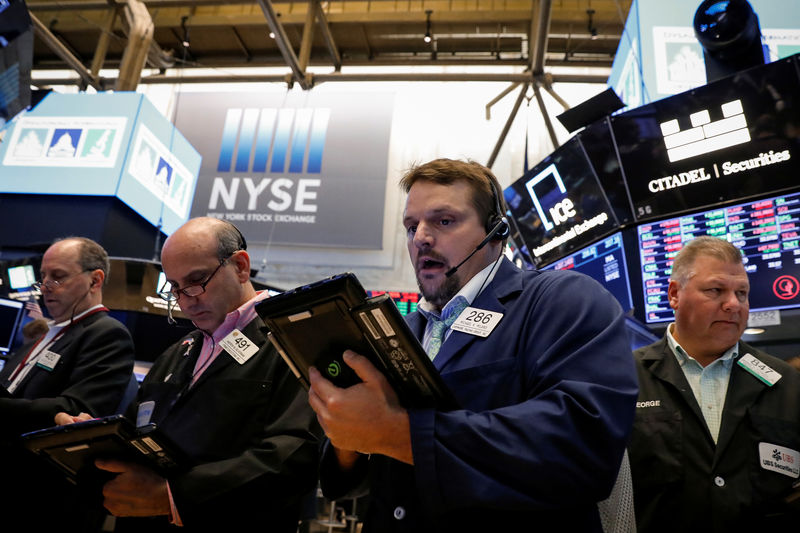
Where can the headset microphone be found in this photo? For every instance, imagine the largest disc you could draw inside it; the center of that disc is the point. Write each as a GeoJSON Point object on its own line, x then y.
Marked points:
{"type": "Point", "coordinates": [498, 228]}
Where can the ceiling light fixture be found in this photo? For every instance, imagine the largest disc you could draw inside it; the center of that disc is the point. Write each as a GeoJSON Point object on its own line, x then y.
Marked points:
{"type": "Point", "coordinates": [428, 37]}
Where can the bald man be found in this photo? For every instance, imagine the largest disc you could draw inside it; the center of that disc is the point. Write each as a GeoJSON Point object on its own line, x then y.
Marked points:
{"type": "Point", "coordinates": [82, 364]}
{"type": "Point", "coordinates": [85, 360]}
{"type": "Point", "coordinates": [235, 409]}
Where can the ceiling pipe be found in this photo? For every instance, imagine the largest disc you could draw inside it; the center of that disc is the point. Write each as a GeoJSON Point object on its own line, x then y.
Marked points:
{"type": "Point", "coordinates": [521, 77]}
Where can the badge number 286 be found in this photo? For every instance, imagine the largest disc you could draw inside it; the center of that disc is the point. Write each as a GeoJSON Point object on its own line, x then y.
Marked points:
{"type": "Point", "coordinates": [476, 321]}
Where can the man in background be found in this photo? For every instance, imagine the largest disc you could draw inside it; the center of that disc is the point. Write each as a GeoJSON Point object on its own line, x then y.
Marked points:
{"type": "Point", "coordinates": [547, 391]}
{"type": "Point", "coordinates": [82, 363]}
{"type": "Point", "coordinates": [85, 360]}
{"type": "Point", "coordinates": [234, 409]}
{"type": "Point", "coordinates": [717, 431]}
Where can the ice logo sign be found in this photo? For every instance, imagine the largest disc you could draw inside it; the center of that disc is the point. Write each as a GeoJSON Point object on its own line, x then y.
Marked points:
{"type": "Point", "coordinates": [562, 208]}
{"type": "Point", "coordinates": [705, 135]}
{"type": "Point", "coordinates": [256, 134]}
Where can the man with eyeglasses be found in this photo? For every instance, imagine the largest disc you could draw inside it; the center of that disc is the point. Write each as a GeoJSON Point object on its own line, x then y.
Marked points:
{"type": "Point", "coordinates": [82, 364]}
{"type": "Point", "coordinates": [85, 360]}
{"type": "Point", "coordinates": [224, 396]}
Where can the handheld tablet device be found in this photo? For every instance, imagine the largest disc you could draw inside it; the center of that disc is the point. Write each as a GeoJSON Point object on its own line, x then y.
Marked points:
{"type": "Point", "coordinates": [314, 324]}
{"type": "Point", "coordinates": [74, 447]}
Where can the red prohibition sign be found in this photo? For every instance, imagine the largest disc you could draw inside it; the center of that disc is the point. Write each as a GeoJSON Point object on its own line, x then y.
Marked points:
{"type": "Point", "coordinates": [786, 287]}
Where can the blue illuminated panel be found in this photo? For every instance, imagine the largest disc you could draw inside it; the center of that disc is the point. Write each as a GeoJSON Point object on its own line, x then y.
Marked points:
{"type": "Point", "coordinates": [605, 262]}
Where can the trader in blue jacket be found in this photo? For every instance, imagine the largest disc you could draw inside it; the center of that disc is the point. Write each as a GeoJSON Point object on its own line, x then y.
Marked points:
{"type": "Point", "coordinates": [547, 385]}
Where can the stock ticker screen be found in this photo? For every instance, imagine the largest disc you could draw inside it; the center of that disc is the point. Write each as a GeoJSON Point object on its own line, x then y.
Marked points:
{"type": "Point", "coordinates": [406, 302]}
{"type": "Point", "coordinates": [605, 262]}
{"type": "Point", "coordinates": [766, 231]}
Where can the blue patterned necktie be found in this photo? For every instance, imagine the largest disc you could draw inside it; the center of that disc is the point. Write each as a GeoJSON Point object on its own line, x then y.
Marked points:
{"type": "Point", "coordinates": [440, 325]}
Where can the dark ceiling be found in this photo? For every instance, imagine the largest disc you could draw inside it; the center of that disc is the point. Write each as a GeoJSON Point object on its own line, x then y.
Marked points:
{"type": "Point", "coordinates": [223, 34]}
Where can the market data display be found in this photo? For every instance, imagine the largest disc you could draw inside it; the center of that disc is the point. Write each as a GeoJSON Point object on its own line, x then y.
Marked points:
{"type": "Point", "coordinates": [406, 302]}
{"type": "Point", "coordinates": [605, 262]}
{"type": "Point", "coordinates": [767, 231]}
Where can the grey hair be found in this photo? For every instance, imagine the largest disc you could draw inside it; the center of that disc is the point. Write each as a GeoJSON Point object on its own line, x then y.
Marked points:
{"type": "Point", "coordinates": [711, 246]}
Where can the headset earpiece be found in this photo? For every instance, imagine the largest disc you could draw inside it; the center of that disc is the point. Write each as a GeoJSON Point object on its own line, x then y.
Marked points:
{"type": "Point", "coordinates": [497, 219]}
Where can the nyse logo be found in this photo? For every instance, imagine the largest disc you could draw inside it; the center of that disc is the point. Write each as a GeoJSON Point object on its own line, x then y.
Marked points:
{"type": "Point", "coordinates": [562, 209]}
{"type": "Point", "coordinates": [271, 136]}
{"type": "Point", "coordinates": [705, 135]}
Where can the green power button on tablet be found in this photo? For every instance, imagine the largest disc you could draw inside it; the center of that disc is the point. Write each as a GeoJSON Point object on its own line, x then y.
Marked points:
{"type": "Point", "coordinates": [333, 369]}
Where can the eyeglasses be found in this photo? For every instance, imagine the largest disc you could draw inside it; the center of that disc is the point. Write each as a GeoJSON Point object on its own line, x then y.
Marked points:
{"type": "Point", "coordinates": [171, 294]}
{"type": "Point", "coordinates": [53, 284]}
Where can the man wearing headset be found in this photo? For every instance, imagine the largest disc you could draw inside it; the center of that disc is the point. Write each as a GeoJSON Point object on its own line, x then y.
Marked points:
{"type": "Point", "coordinates": [82, 364]}
{"type": "Point", "coordinates": [85, 361]}
{"type": "Point", "coordinates": [224, 397]}
{"type": "Point", "coordinates": [547, 390]}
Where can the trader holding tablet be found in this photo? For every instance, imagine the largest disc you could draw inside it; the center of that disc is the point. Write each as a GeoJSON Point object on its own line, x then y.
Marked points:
{"type": "Point", "coordinates": [83, 363]}
{"type": "Point", "coordinates": [225, 398]}
{"type": "Point", "coordinates": [85, 360]}
{"type": "Point", "coordinates": [539, 362]}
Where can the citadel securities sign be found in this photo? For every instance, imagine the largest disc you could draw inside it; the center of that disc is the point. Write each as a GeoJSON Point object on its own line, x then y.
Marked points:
{"type": "Point", "coordinates": [729, 140]}
{"type": "Point", "coordinates": [298, 169]}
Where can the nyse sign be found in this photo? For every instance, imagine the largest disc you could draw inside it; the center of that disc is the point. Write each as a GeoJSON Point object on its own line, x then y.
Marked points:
{"type": "Point", "coordinates": [301, 170]}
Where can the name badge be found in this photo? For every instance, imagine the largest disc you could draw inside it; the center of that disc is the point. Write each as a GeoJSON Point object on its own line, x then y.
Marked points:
{"type": "Point", "coordinates": [779, 459]}
{"type": "Point", "coordinates": [144, 413]}
{"type": "Point", "coordinates": [476, 321]}
{"type": "Point", "coordinates": [48, 360]}
{"type": "Point", "coordinates": [239, 346]}
{"type": "Point", "coordinates": [760, 370]}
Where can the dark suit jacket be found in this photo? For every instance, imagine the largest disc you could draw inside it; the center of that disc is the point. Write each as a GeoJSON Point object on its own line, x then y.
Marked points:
{"type": "Point", "coordinates": [682, 480]}
{"type": "Point", "coordinates": [91, 376]}
{"type": "Point", "coordinates": [248, 431]}
{"type": "Point", "coordinates": [548, 401]}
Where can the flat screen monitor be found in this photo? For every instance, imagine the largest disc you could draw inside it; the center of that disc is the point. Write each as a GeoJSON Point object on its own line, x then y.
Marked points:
{"type": "Point", "coordinates": [766, 231]}
{"type": "Point", "coordinates": [727, 141]}
{"type": "Point", "coordinates": [559, 206]}
{"type": "Point", "coordinates": [406, 302]}
{"type": "Point", "coordinates": [10, 315]}
{"type": "Point", "coordinates": [21, 277]}
{"type": "Point", "coordinates": [605, 262]}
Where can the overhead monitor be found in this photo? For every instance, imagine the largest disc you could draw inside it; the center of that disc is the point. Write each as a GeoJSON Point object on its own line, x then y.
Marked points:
{"type": "Point", "coordinates": [558, 206]}
{"type": "Point", "coordinates": [10, 315]}
{"type": "Point", "coordinates": [730, 140]}
{"type": "Point", "coordinates": [605, 262]}
{"type": "Point", "coordinates": [16, 58]}
{"type": "Point", "coordinates": [766, 231]}
{"type": "Point", "coordinates": [21, 277]}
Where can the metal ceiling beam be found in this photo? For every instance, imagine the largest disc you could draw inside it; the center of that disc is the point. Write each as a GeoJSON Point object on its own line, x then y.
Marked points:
{"type": "Point", "coordinates": [283, 43]}
{"type": "Point", "coordinates": [539, 37]}
{"type": "Point", "coordinates": [102, 42]}
{"type": "Point", "coordinates": [308, 36]}
{"type": "Point", "coordinates": [507, 126]}
{"type": "Point", "coordinates": [327, 36]}
{"type": "Point", "coordinates": [521, 77]}
{"type": "Point", "coordinates": [61, 51]}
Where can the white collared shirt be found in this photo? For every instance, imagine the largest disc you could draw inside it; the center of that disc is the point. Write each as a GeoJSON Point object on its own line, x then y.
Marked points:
{"type": "Point", "coordinates": [709, 384]}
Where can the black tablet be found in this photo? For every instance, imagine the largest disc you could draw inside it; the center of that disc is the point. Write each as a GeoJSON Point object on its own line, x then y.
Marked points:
{"type": "Point", "coordinates": [314, 324]}
{"type": "Point", "coordinates": [74, 447]}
